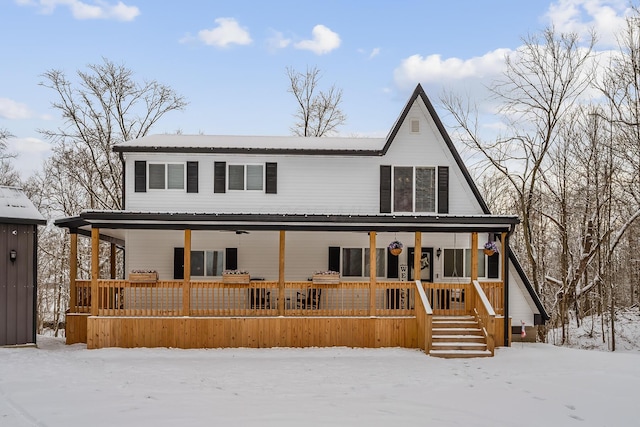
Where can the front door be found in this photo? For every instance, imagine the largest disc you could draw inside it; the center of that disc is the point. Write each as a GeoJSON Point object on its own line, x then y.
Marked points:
{"type": "Point", "coordinates": [426, 264]}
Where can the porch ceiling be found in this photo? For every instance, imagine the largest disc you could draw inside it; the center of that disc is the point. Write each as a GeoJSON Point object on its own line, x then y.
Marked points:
{"type": "Point", "coordinates": [120, 220]}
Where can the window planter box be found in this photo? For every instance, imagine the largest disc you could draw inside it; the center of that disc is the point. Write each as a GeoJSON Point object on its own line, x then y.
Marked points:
{"type": "Point", "coordinates": [235, 278]}
{"type": "Point", "coordinates": [150, 277]}
{"type": "Point", "coordinates": [330, 279]}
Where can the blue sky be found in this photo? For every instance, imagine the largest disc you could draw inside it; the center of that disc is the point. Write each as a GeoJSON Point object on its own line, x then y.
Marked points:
{"type": "Point", "coordinates": [229, 58]}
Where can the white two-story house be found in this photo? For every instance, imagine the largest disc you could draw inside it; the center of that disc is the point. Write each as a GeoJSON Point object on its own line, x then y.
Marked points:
{"type": "Point", "coordinates": [275, 211]}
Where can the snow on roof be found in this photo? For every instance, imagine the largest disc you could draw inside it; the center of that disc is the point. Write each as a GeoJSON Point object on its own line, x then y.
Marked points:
{"type": "Point", "coordinates": [253, 142]}
{"type": "Point", "coordinates": [15, 205]}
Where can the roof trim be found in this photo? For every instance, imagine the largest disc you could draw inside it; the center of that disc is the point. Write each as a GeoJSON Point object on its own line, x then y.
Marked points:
{"type": "Point", "coordinates": [419, 92]}
{"type": "Point", "coordinates": [28, 221]}
{"type": "Point", "coordinates": [155, 220]}
{"type": "Point", "coordinates": [536, 299]}
{"type": "Point", "coordinates": [242, 150]}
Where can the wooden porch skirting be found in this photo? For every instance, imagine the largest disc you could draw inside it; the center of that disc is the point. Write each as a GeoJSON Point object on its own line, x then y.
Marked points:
{"type": "Point", "coordinates": [254, 332]}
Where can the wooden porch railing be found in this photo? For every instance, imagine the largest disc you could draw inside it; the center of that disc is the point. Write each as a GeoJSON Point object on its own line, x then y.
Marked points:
{"type": "Point", "coordinates": [304, 298]}
{"type": "Point", "coordinates": [485, 315]}
{"type": "Point", "coordinates": [424, 318]}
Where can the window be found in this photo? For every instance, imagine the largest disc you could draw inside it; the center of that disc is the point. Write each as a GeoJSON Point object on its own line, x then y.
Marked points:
{"type": "Point", "coordinates": [166, 176]}
{"type": "Point", "coordinates": [206, 263]}
{"type": "Point", "coordinates": [414, 189]}
{"type": "Point", "coordinates": [415, 126]}
{"type": "Point", "coordinates": [246, 177]}
{"type": "Point", "coordinates": [355, 262]}
{"type": "Point", "coordinates": [457, 263]}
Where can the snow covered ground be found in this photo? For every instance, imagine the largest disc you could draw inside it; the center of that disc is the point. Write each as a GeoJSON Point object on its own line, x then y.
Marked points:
{"type": "Point", "coordinates": [594, 334]}
{"type": "Point", "coordinates": [525, 385]}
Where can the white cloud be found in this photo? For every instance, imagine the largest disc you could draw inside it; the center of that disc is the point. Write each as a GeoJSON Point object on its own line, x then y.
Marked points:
{"type": "Point", "coordinates": [10, 109]}
{"type": "Point", "coordinates": [375, 52]}
{"type": "Point", "coordinates": [433, 68]}
{"type": "Point", "coordinates": [81, 10]}
{"type": "Point", "coordinates": [606, 17]}
{"type": "Point", "coordinates": [32, 152]}
{"type": "Point", "coordinates": [277, 40]}
{"type": "Point", "coordinates": [227, 32]}
{"type": "Point", "coordinates": [324, 41]}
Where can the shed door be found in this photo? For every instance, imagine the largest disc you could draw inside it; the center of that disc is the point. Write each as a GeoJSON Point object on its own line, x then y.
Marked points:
{"type": "Point", "coordinates": [17, 284]}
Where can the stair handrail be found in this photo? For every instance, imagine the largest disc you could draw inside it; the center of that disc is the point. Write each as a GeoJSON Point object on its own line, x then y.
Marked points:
{"type": "Point", "coordinates": [424, 318]}
{"type": "Point", "coordinates": [486, 315]}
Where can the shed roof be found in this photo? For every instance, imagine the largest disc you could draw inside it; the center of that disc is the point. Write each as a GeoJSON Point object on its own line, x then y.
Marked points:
{"type": "Point", "coordinates": [16, 208]}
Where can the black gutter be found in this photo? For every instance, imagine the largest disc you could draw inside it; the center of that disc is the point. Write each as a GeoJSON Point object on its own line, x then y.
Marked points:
{"type": "Point", "coordinates": [92, 216]}
{"type": "Point", "coordinates": [124, 179]}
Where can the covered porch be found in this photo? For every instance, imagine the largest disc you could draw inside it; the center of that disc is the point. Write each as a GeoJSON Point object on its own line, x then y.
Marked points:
{"type": "Point", "coordinates": [319, 311]}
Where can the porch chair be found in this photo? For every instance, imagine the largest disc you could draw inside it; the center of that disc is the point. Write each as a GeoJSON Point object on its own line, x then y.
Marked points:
{"type": "Point", "coordinates": [260, 298]}
{"type": "Point", "coordinates": [311, 300]}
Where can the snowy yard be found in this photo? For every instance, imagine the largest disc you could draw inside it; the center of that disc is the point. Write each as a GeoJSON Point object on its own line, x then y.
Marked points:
{"type": "Point", "coordinates": [525, 385]}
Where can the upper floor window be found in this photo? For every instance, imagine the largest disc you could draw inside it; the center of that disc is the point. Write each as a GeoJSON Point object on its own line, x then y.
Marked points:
{"type": "Point", "coordinates": [415, 126]}
{"type": "Point", "coordinates": [168, 176]}
{"type": "Point", "coordinates": [355, 262]}
{"type": "Point", "coordinates": [246, 177]}
{"type": "Point", "coordinates": [414, 189]}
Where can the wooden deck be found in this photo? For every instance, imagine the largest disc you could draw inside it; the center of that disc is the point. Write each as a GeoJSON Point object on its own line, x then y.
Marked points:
{"type": "Point", "coordinates": [218, 314]}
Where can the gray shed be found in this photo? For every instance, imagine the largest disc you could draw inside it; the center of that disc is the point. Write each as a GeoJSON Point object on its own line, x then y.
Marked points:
{"type": "Point", "coordinates": [19, 220]}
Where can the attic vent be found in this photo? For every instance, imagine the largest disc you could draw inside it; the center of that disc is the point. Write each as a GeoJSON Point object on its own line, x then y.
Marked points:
{"type": "Point", "coordinates": [415, 126]}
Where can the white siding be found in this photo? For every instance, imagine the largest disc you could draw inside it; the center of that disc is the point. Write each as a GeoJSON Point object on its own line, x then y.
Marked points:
{"type": "Point", "coordinates": [305, 252]}
{"type": "Point", "coordinates": [313, 184]}
{"type": "Point", "coordinates": [521, 306]}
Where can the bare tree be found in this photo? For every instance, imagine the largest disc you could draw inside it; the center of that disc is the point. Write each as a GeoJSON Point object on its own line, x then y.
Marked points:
{"type": "Point", "coordinates": [541, 84]}
{"type": "Point", "coordinates": [106, 105]}
{"type": "Point", "coordinates": [318, 112]}
{"type": "Point", "coordinates": [102, 106]}
{"type": "Point", "coordinates": [8, 174]}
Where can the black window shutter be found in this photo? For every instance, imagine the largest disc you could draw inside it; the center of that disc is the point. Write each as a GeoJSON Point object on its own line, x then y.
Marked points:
{"type": "Point", "coordinates": [140, 175]}
{"type": "Point", "coordinates": [219, 177]}
{"type": "Point", "coordinates": [392, 266]}
{"type": "Point", "coordinates": [272, 178]}
{"type": "Point", "coordinates": [493, 266]}
{"type": "Point", "coordinates": [443, 189]}
{"type": "Point", "coordinates": [178, 263]}
{"type": "Point", "coordinates": [192, 177]}
{"type": "Point", "coordinates": [231, 258]}
{"type": "Point", "coordinates": [334, 258]}
{"type": "Point", "coordinates": [385, 189]}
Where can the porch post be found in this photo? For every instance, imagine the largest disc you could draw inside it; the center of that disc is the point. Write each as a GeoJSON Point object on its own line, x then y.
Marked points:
{"type": "Point", "coordinates": [474, 256]}
{"type": "Point", "coordinates": [95, 269]}
{"type": "Point", "coordinates": [186, 284]}
{"type": "Point", "coordinates": [281, 275]}
{"type": "Point", "coordinates": [112, 260]}
{"type": "Point", "coordinates": [417, 255]}
{"type": "Point", "coordinates": [73, 272]}
{"type": "Point", "coordinates": [372, 273]}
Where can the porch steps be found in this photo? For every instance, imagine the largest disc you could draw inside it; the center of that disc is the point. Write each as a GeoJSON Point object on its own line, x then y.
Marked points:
{"type": "Point", "coordinates": [457, 337]}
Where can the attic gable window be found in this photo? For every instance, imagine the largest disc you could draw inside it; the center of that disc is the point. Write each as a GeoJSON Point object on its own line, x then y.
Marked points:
{"type": "Point", "coordinates": [414, 189]}
{"type": "Point", "coordinates": [415, 126]}
{"type": "Point", "coordinates": [166, 176]}
{"type": "Point", "coordinates": [246, 177]}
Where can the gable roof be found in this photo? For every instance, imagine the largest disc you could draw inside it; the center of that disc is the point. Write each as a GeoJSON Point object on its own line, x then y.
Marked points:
{"type": "Point", "coordinates": [420, 93]}
{"type": "Point", "coordinates": [16, 208]}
